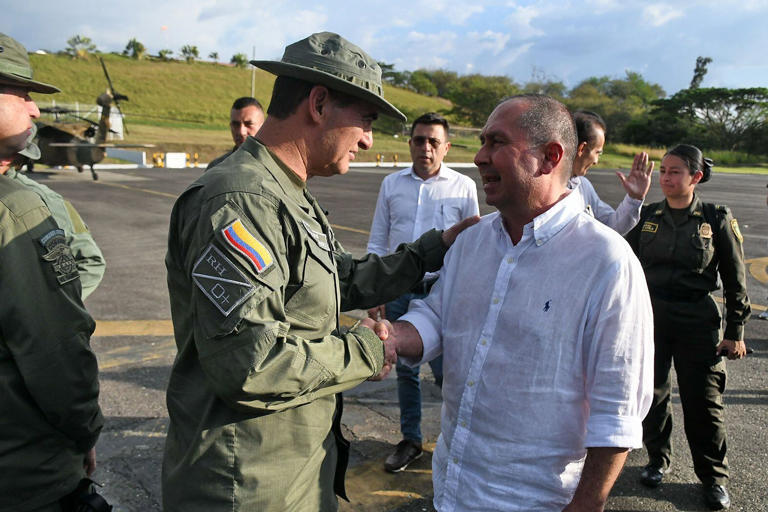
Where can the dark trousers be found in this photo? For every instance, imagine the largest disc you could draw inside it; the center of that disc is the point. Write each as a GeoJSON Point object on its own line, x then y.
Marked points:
{"type": "Point", "coordinates": [408, 384]}
{"type": "Point", "coordinates": [686, 334]}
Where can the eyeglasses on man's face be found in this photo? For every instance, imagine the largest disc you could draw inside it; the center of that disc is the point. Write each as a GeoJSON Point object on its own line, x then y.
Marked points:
{"type": "Point", "coordinates": [419, 140]}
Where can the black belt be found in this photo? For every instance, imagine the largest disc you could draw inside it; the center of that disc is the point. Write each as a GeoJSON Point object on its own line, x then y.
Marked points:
{"type": "Point", "coordinates": [424, 286]}
{"type": "Point", "coordinates": [678, 295]}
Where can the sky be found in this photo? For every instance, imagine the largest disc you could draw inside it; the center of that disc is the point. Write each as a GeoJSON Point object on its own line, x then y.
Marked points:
{"type": "Point", "coordinates": [564, 41]}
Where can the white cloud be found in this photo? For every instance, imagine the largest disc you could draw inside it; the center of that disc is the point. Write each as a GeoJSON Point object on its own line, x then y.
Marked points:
{"type": "Point", "coordinates": [521, 21]}
{"type": "Point", "coordinates": [495, 42]}
{"type": "Point", "coordinates": [660, 14]}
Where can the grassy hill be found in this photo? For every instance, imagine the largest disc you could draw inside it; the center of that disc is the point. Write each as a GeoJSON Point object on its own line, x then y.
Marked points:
{"type": "Point", "coordinates": [181, 106]}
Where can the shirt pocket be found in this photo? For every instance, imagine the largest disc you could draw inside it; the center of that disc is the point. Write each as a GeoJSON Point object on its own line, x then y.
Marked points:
{"type": "Point", "coordinates": [315, 301]}
{"type": "Point", "coordinates": [651, 249]}
{"type": "Point", "coordinates": [703, 252]}
{"type": "Point", "coordinates": [449, 213]}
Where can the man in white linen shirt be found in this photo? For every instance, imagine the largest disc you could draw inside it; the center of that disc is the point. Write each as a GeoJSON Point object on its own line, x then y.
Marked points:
{"type": "Point", "coordinates": [424, 196]}
{"type": "Point", "coordinates": [544, 320]}
{"type": "Point", "coordinates": [590, 129]}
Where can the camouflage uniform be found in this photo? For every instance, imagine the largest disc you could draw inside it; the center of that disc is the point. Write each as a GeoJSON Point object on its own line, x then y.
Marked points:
{"type": "Point", "coordinates": [48, 374]}
{"type": "Point", "coordinates": [257, 280]}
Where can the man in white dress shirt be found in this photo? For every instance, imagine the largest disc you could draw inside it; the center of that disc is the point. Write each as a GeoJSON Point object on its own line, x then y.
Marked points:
{"type": "Point", "coordinates": [544, 320]}
{"type": "Point", "coordinates": [424, 196]}
{"type": "Point", "coordinates": [590, 129]}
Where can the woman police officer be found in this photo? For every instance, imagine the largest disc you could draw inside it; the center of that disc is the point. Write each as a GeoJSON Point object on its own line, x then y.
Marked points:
{"type": "Point", "coordinates": [683, 244]}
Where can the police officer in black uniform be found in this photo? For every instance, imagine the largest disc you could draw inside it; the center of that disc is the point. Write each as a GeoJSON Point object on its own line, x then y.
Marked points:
{"type": "Point", "coordinates": [683, 244]}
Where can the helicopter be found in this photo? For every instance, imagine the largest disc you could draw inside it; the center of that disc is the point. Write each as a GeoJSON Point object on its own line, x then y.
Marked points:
{"type": "Point", "coordinates": [67, 143]}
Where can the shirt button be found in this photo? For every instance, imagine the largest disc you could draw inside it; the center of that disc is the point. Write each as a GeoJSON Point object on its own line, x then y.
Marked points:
{"type": "Point", "coordinates": [455, 460]}
{"type": "Point", "coordinates": [471, 383]}
{"type": "Point", "coordinates": [495, 300]}
{"type": "Point", "coordinates": [464, 424]}
{"type": "Point", "coordinates": [510, 259]}
{"type": "Point", "coordinates": [483, 341]}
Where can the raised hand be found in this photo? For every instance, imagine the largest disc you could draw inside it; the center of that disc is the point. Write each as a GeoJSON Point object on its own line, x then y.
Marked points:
{"type": "Point", "coordinates": [638, 182]}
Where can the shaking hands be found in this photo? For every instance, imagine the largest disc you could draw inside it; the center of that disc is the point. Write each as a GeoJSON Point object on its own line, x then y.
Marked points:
{"type": "Point", "coordinates": [383, 329]}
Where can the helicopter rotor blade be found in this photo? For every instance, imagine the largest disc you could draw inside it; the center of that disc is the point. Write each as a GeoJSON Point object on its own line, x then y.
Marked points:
{"type": "Point", "coordinates": [115, 95]}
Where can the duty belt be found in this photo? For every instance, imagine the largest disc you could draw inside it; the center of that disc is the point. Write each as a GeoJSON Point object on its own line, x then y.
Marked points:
{"type": "Point", "coordinates": [678, 295]}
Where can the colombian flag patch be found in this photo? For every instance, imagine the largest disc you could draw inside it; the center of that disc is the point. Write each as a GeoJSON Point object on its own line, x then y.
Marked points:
{"type": "Point", "coordinates": [246, 244]}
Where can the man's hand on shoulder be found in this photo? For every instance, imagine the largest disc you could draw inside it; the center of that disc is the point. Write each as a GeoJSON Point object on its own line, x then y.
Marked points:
{"type": "Point", "coordinates": [638, 182]}
{"type": "Point", "coordinates": [450, 234]}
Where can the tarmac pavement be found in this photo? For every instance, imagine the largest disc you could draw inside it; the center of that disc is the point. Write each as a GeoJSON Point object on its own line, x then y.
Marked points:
{"type": "Point", "coordinates": [128, 210]}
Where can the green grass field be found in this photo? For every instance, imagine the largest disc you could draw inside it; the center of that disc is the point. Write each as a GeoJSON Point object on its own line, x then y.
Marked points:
{"type": "Point", "coordinates": [185, 107]}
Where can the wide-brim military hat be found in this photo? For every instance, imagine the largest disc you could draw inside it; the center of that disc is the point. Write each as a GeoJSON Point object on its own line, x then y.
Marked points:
{"type": "Point", "coordinates": [15, 69]}
{"type": "Point", "coordinates": [328, 59]}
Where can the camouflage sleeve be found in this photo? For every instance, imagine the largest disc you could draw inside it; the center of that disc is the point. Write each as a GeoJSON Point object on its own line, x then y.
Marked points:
{"type": "Point", "coordinates": [373, 280]}
{"type": "Point", "coordinates": [90, 261]}
{"type": "Point", "coordinates": [44, 324]}
{"type": "Point", "coordinates": [264, 313]}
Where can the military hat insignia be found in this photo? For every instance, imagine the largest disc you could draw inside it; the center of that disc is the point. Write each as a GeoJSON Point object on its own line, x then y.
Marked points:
{"type": "Point", "coordinates": [705, 230]}
{"type": "Point", "coordinates": [650, 227]}
{"type": "Point", "coordinates": [220, 280]}
{"type": "Point", "coordinates": [59, 254]}
{"type": "Point", "coordinates": [240, 239]}
{"type": "Point", "coordinates": [736, 230]}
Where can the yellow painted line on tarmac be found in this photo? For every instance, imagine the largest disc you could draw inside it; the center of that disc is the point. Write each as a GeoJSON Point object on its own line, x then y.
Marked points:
{"type": "Point", "coordinates": [354, 230]}
{"type": "Point", "coordinates": [371, 489]}
{"type": "Point", "coordinates": [139, 189]}
{"type": "Point", "coordinates": [133, 328]}
{"type": "Point", "coordinates": [758, 267]}
{"type": "Point", "coordinates": [136, 355]}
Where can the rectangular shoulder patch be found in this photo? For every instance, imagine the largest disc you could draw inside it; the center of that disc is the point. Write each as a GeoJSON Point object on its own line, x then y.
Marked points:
{"type": "Point", "coordinates": [220, 280]}
{"type": "Point", "coordinates": [650, 227]}
{"type": "Point", "coordinates": [240, 239]}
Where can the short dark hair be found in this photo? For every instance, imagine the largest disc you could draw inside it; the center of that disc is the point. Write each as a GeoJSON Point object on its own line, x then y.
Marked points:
{"type": "Point", "coordinates": [246, 101]}
{"type": "Point", "coordinates": [431, 118]}
{"type": "Point", "coordinates": [546, 120]}
{"type": "Point", "coordinates": [693, 159]}
{"type": "Point", "coordinates": [289, 92]}
{"type": "Point", "coordinates": [587, 123]}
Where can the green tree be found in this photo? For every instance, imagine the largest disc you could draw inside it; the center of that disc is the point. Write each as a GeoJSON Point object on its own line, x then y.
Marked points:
{"type": "Point", "coordinates": [135, 50]}
{"type": "Point", "coordinates": [720, 118]}
{"type": "Point", "coordinates": [550, 88]}
{"type": "Point", "coordinates": [443, 79]}
{"type": "Point", "coordinates": [190, 53]}
{"type": "Point", "coordinates": [396, 78]}
{"type": "Point", "coordinates": [475, 96]}
{"type": "Point", "coordinates": [421, 82]}
{"type": "Point", "coordinates": [214, 56]}
{"type": "Point", "coordinates": [618, 100]}
{"type": "Point", "coordinates": [80, 47]}
{"type": "Point", "coordinates": [240, 60]}
{"type": "Point", "coordinates": [165, 54]}
{"type": "Point", "coordinates": [699, 71]}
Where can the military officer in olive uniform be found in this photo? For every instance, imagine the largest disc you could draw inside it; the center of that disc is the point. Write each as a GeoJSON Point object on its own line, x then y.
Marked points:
{"type": "Point", "coordinates": [48, 374]}
{"type": "Point", "coordinates": [88, 257]}
{"type": "Point", "coordinates": [683, 244]}
{"type": "Point", "coordinates": [257, 280]}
